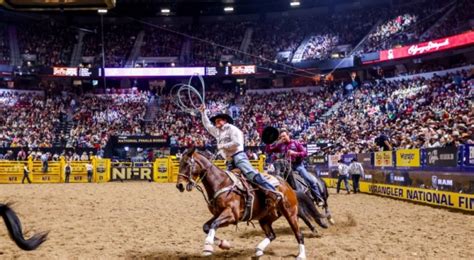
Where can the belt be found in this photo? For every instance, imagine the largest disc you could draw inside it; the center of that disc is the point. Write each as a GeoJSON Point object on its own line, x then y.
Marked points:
{"type": "Point", "coordinates": [236, 154]}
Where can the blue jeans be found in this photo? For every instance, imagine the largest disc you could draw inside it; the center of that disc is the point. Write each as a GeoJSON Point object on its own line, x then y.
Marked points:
{"type": "Point", "coordinates": [308, 178]}
{"type": "Point", "coordinates": [344, 178]}
{"type": "Point", "coordinates": [242, 162]}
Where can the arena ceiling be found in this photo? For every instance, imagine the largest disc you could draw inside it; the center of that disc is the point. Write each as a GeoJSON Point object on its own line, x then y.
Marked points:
{"type": "Point", "coordinates": [214, 7]}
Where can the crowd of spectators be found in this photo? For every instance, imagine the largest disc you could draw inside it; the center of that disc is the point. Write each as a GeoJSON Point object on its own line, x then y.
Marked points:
{"type": "Point", "coordinates": [97, 117]}
{"type": "Point", "coordinates": [417, 113]}
{"type": "Point", "coordinates": [4, 48]}
{"type": "Point", "coordinates": [118, 39]}
{"type": "Point", "coordinates": [414, 113]}
{"type": "Point", "coordinates": [161, 43]}
{"type": "Point", "coordinates": [319, 47]}
{"type": "Point", "coordinates": [397, 25]}
{"type": "Point", "coordinates": [457, 21]}
{"type": "Point", "coordinates": [28, 120]}
{"type": "Point", "coordinates": [52, 44]}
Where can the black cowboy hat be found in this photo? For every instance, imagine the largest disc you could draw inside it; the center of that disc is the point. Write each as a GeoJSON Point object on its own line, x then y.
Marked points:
{"type": "Point", "coordinates": [222, 116]}
{"type": "Point", "coordinates": [270, 134]}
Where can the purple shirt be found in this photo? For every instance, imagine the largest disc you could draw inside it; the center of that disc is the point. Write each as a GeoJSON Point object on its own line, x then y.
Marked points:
{"type": "Point", "coordinates": [285, 147]}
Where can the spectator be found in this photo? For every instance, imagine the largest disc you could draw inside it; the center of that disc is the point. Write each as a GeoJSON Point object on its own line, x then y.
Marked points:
{"type": "Point", "coordinates": [26, 173]}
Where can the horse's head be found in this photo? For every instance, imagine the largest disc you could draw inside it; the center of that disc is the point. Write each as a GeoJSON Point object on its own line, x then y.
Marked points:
{"type": "Point", "coordinates": [282, 167]}
{"type": "Point", "coordinates": [190, 169]}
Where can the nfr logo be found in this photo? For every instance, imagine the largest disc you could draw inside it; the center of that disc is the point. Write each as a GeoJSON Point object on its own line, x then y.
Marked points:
{"type": "Point", "coordinates": [78, 178]}
{"type": "Point", "coordinates": [12, 178]}
{"type": "Point", "coordinates": [45, 178]}
{"type": "Point", "coordinates": [131, 173]}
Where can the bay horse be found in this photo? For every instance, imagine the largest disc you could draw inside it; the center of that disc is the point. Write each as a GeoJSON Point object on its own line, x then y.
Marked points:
{"type": "Point", "coordinates": [283, 169]}
{"type": "Point", "coordinates": [14, 230]}
{"type": "Point", "coordinates": [227, 203]}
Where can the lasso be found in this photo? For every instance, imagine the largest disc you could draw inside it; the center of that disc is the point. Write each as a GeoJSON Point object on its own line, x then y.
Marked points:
{"type": "Point", "coordinates": [190, 90]}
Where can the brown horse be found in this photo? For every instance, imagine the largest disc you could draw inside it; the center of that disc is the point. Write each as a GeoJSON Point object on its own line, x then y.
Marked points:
{"type": "Point", "coordinates": [227, 204]}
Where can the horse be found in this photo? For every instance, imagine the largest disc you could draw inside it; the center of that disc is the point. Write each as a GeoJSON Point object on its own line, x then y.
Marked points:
{"type": "Point", "coordinates": [14, 230]}
{"type": "Point", "coordinates": [227, 203]}
{"type": "Point", "coordinates": [283, 169]}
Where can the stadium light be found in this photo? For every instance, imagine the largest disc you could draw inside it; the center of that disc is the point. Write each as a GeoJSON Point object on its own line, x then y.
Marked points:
{"type": "Point", "coordinates": [228, 9]}
{"type": "Point", "coordinates": [294, 3]}
{"type": "Point", "coordinates": [165, 11]}
{"type": "Point", "coordinates": [102, 11]}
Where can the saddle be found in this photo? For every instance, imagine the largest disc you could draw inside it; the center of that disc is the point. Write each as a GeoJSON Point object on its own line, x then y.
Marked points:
{"type": "Point", "coordinates": [245, 187]}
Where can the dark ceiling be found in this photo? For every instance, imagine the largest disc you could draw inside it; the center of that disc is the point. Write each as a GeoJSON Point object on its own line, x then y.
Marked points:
{"type": "Point", "coordinates": [212, 7]}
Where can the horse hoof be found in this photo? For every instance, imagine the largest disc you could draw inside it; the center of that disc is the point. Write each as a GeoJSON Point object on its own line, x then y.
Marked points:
{"type": "Point", "coordinates": [331, 220]}
{"type": "Point", "coordinates": [259, 253]}
{"type": "Point", "coordinates": [208, 250]}
{"type": "Point", "coordinates": [224, 244]}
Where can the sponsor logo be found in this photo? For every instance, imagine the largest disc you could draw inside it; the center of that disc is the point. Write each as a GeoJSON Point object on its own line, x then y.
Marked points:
{"type": "Point", "coordinates": [433, 157]}
{"type": "Point", "coordinates": [131, 173]}
{"type": "Point", "coordinates": [324, 174]}
{"type": "Point", "coordinates": [399, 178]}
{"type": "Point", "coordinates": [436, 182]}
{"type": "Point", "coordinates": [430, 46]}
{"type": "Point", "coordinates": [368, 177]}
{"type": "Point", "coordinates": [390, 54]}
{"type": "Point", "coordinates": [162, 168]}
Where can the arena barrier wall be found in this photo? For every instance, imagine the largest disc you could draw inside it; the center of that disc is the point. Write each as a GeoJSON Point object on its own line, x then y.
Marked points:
{"type": "Point", "coordinates": [174, 166]}
{"type": "Point", "coordinates": [11, 171]}
{"type": "Point", "coordinates": [439, 198]}
{"type": "Point", "coordinates": [53, 174]}
{"type": "Point", "coordinates": [162, 170]}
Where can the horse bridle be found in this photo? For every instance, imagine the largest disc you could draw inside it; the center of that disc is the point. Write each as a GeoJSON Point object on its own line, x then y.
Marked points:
{"type": "Point", "coordinates": [194, 183]}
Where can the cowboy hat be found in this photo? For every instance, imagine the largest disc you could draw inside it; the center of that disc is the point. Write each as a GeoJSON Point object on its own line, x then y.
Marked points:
{"type": "Point", "coordinates": [270, 134]}
{"type": "Point", "coordinates": [222, 116]}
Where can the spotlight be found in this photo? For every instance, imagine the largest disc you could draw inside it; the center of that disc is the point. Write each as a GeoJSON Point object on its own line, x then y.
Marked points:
{"type": "Point", "coordinates": [228, 9]}
{"type": "Point", "coordinates": [295, 4]}
{"type": "Point", "coordinates": [102, 11]}
{"type": "Point", "coordinates": [165, 11]}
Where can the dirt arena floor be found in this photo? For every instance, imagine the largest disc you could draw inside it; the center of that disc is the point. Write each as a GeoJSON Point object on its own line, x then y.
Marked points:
{"type": "Point", "coordinates": [154, 221]}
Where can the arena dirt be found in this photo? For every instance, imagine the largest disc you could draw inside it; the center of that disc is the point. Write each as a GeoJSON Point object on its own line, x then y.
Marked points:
{"type": "Point", "coordinates": [154, 221]}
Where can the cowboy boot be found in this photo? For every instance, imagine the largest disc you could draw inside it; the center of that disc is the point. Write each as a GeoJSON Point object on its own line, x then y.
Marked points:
{"type": "Point", "coordinates": [268, 189]}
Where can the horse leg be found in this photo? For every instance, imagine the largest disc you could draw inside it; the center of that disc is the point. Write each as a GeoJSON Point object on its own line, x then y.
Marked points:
{"type": "Point", "coordinates": [266, 225]}
{"type": "Point", "coordinates": [221, 243]}
{"type": "Point", "coordinates": [292, 218]}
{"type": "Point", "coordinates": [225, 218]}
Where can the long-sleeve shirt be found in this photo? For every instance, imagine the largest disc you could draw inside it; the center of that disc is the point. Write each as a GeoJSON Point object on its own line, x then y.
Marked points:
{"type": "Point", "coordinates": [356, 168]}
{"type": "Point", "coordinates": [230, 140]}
{"type": "Point", "coordinates": [343, 169]}
{"type": "Point", "coordinates": [293, 145]}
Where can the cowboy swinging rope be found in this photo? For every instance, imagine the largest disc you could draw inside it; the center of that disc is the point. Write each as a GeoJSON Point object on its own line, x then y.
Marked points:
{"type": "Point", "coordinates": [183, 89]}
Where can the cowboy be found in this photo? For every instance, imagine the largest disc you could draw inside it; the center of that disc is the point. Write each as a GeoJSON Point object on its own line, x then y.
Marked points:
{"type": "Point", "coordinates": [230, 143]}
{"type": "Point", "coordinates": [296, 153]}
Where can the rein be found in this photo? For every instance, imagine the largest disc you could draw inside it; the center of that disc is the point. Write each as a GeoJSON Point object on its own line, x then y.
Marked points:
{"type": "Point", "coordinates": [199, 180]}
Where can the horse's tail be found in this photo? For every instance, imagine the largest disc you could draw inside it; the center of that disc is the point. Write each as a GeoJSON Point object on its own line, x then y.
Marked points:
{"type": "Point", "coordinates": [307, 207]}
{"type": "Point", "coordinates": [14, 229]}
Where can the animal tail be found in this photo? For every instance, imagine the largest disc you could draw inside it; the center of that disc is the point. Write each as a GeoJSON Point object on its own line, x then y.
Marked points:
{"type": "Point", "coordinates": [14, 229]}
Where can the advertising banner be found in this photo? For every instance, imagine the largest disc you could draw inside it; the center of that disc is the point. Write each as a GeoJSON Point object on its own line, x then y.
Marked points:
{"type": "Point", "coordinates": [383, 159]}
{"type": "Point", "coordinates": [428, 47]}
{"type": "Point", "coordinates": [447, 199]}
{"type": "Point", "coordinates": [347, 158]}
{"type": "Point", "coordinates": [442, 157]}
{"type": "Point", "coordinates": [333, 160]}
{"type": "Point", "coordinates": [318, 160]}
{"type": "Point", "coordinates": [469, 153]}
{"type": "Point", "coordinates": [408, 158]}
{"type": "Point", "coordinates": [365, 159]}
